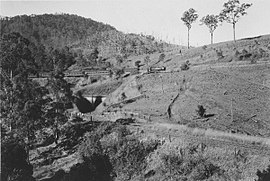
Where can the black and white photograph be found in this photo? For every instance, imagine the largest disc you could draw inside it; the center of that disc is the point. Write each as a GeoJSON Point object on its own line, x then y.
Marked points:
{"type": "Point", "coordinates": [135, 90]}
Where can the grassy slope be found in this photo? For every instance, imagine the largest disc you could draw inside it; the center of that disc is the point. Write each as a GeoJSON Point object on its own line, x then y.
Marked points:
{"type": "Point", "coordinates": [212, 82]}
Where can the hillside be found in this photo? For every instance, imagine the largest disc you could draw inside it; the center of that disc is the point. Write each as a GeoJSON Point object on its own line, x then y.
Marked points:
{"type": "Point", "coordinates": [81, 35]}
{"type": "Point", "coordinates": [235, 81]}
{"type": "Point", "coordinates": [148, 127]}
{"type": "Point", "coordinates": [53, 30]}
{"type": "Point", "coordinates": [203, 116]}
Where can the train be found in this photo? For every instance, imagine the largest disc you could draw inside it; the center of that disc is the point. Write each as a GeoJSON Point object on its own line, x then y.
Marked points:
{"type": "Point", "coordinates": [87, 71]}
{"type": "Point", "coordinates": [156, 69]}
{"type": "Point", "coordinates": [77, 73]}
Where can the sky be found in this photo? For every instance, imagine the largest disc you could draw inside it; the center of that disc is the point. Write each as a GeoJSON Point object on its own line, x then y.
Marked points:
{"type": "Point", "coordinates": [160, 18]}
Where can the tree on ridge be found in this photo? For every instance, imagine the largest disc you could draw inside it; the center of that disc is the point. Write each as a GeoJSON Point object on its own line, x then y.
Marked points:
{"type": "Point", "coordinates": [188, 18]}
{"type": "Point", "coordinates": [211, 21]}
{"type": "Point", "coordinates": [232, 12]}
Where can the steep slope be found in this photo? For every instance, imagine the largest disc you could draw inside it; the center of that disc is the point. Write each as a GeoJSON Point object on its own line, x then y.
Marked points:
{"type": "Point", "coordinates": [234, 88]}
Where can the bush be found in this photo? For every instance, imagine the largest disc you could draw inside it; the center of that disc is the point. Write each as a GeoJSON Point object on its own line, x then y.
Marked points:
{"type": "Point", "coordinates": [73, 133]}
{"type": "Point", "coordinates": [185, 164]}
{"type": "Point", "coordinates": [204, 47]}
{"type": "Point", "coordinates": [264, 175]}
{"type": "Point", "coordinates": [237, 53]}
{"type": "Point", "coordinates": [123, 96]}
{"type": "Point", "coordinates": [119, 59]}
{"type": "Point", "coordinates": [137, 63]}
{"type": "Point", "coordinates": [185, 66]}
{"type": "Point", "coordinates": [128, 157]}
{"type": "Point", "coordinates": [244, 55]}
{"type": "Point", "coordinates": [219, 54]}
{"type": "Point", "coordinates": [161, 57]}
{"type": "Point", "coordinates": [201, 111]}
{"type": "Point", "coordinates": [119, 72]}
{"type": "Point", "coordinates": [14, 164]}
{"type": "Point", "coordinates": [253, 61]}
{"type": "Point", "coordinates": [121, 155]}
{"type": "Point", "coordinates": [96, 165]}
{"type": "Point", "coordinates": [139, 87]}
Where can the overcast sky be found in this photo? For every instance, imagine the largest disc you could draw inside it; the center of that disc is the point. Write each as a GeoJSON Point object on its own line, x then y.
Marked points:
{"type": "Point", "coordinates": [160, 18]}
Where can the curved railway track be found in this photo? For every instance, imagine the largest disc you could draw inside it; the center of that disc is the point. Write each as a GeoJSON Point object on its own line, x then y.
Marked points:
{"type": "Point", "coordinates": [252, 147]}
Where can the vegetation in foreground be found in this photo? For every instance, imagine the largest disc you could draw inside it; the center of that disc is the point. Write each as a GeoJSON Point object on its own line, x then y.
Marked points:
{"type": "Point", "coordinates": [110, 151]}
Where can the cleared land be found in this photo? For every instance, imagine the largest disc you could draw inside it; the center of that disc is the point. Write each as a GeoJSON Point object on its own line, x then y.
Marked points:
{"type": "Point", "coordinates": [236, 94]}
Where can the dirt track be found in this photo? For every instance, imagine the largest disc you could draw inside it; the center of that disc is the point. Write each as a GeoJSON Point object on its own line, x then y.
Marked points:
{"type": "Point", "coordinates": [178, 132]}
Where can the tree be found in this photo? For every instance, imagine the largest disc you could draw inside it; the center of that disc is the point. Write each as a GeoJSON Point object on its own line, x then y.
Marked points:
{"type": "Point", "coordinates": [22, 108]}
{"type": "Point", "coordinates": [211, 21]}
{"type": "Point", "coordinates": [188, 18]}
{"type": "Point", "coordinates": [14, 164]}
{"type": "Point", "coordinates": [16, 57]}
{"type": "Point", "coordinates": [232, 12]}
{"type": "Point", "coordinates": [61, 96]}
{"type": "Point", "coordinates": [61, 59]}
{"type": "Point", "coordinates": [16, 89]}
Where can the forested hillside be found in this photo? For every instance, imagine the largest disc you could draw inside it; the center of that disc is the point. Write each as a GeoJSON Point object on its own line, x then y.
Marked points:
{"type": "Point", "coordinates": [55, 30]}
{"type": "Point", "coordinates": [76, 36]}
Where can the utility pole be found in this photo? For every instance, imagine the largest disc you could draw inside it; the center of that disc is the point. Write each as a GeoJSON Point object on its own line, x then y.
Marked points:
{"type": "Point", "coordinates": [162, 83]}
{"type": "Point", "coordinates": [231, 109]}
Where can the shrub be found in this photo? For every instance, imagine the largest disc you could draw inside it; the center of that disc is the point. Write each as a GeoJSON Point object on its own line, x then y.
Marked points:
{"type": "Point", "coordinates": [128, 157]}
{"type": "Point", "coordinates": [123, 96]}
{"type": "Point", "coordinates": [264, 175]}
{"type": "Point", "coordinates": [137, 63]}
{"type": "Point", "coordinates": [244, 51]}
{"type": "Point", "coordinates": [119, 59]}
{"type": "Point", "coordinates": [253, 61]}
{"type": "Point", "coordinates": [14, 164]}
{"type": "Point", "coordinates": [185, 66]}
{"type": "Point", "coordinates": [73, 133]}
{"type": "Point", "coordinates": [201, 111]}
{"type": "Point", "coordinates": [110, 151]}
{"type": "Point", "coordinates": [161, 57]}
{"type": "Point", "coordinates": [139, 87]}
{"type": "Point", "coordinates": [204, 47]}
{"type": "Point", "coordinates": [188, 164]}
{"type": "Point", "coordinates": [119, 72]}
{"type": "Point", "coordinates": [237, 53]}
{"type": "Point", "coordinates": [96, 165]}
{"type": "Point", "coordinates": [244, 55]}
{"type": "Point", "coordinates": [219, 54]}
{"type": "Point", "coordinates": [104, 128]}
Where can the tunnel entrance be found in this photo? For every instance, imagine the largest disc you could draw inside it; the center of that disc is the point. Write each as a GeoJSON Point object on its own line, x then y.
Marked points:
{"type": "Point", "coordinates": [87, 104]}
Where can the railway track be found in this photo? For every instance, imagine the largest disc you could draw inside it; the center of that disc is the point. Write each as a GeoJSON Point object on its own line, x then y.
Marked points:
{"type": "Point", "coordinates": [252, 147]}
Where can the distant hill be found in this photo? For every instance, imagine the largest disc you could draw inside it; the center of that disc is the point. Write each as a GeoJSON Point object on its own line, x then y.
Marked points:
{"type": "Point", "coordinates": [80, 34]}
{"type": "Point", "coordinates": [56, 30]}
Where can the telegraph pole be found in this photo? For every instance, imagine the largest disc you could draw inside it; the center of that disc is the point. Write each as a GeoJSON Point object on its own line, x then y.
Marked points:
{"type": "Point", "coordinates": [231, 109]}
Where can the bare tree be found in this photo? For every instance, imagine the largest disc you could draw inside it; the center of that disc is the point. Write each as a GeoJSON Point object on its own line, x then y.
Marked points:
{"type": "Point", "coordinates": [188, 18]}
{"type": "Point", "coordinates": [232, 12]}
{"type": "Point", "coordinates": [211, 21]}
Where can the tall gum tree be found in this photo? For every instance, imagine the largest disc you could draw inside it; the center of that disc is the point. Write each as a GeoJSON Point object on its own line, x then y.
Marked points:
{"type": "Point", "coordinates": [232, 12]}
{"type": "Point", "coordinates": [189, 17]}
{"type": "Point", "coordinates": [211, 21]}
